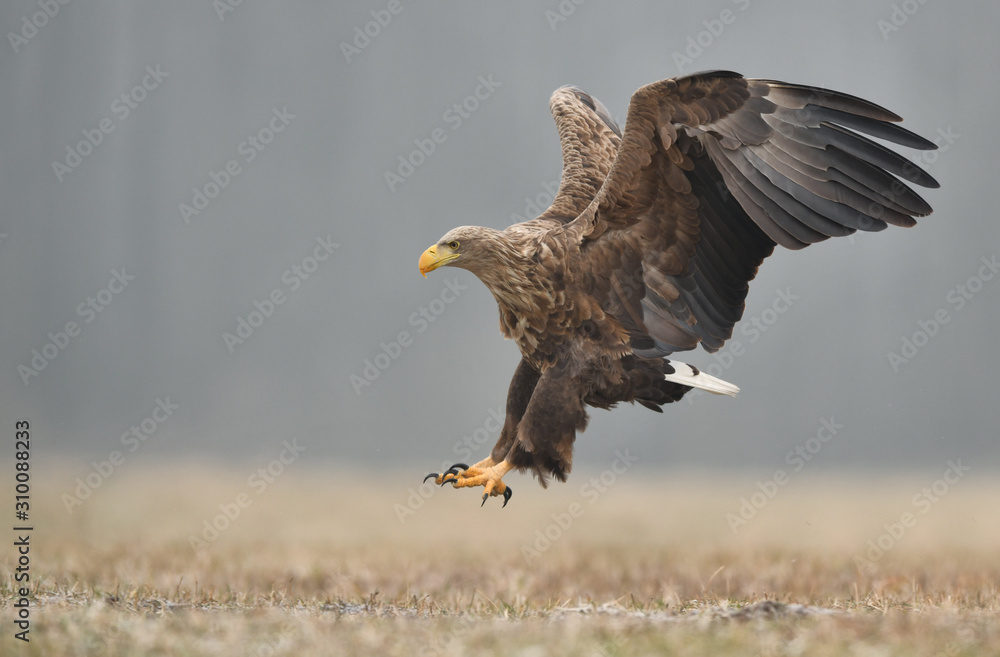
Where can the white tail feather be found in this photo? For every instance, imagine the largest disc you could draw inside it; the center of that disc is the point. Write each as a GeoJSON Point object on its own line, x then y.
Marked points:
{"type": "Point", "coordinates": [689, 376]}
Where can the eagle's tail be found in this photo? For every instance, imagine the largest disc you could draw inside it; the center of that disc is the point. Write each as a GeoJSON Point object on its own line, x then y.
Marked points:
{"type": "Point", "coordinates": [689, 375]}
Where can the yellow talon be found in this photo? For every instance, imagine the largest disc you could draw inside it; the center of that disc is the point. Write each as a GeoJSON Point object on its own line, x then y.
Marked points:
{"type": "Point", "coordinates": [486, 473]}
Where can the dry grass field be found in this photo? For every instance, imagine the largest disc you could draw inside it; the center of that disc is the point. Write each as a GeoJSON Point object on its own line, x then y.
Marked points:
{"type": "Point", "coordinates": [332, 563]}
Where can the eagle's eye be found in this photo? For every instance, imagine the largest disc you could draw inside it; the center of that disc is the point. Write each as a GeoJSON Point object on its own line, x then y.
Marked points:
{"type": "Point", "coordinates": [453, 245]}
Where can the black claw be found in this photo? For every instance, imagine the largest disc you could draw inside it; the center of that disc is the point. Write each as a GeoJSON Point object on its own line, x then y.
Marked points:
{"type": "Point", "coordinates": [507, 494]}
{"type": "Point", "coordinates": [453, 470]}
{"type": "Point", "coordinates": [485, 497]}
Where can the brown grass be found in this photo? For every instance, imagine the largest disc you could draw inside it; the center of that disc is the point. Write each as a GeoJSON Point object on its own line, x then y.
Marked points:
{"type": "Point", "coordinates": [322, 564]}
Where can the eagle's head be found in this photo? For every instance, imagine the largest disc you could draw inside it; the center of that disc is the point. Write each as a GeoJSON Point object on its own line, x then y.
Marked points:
{"type": "Point", "coordinates": [469, 247]}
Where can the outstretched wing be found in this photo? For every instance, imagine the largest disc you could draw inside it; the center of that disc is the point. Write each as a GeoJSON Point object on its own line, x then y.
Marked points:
{"type": "Point", "coordinates": [712, 172]}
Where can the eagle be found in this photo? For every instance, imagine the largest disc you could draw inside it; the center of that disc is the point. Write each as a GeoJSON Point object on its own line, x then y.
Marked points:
{"type": "Point", "coordinates": [653, 237]}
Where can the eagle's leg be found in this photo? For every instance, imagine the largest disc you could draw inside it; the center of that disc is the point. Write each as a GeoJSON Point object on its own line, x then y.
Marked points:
{"type": "Point", "coordinates": [441, 479]}
{"type": "Point", "coordinates": [489, 471]}
{"type": "Point", "coordinates": [486, 473]}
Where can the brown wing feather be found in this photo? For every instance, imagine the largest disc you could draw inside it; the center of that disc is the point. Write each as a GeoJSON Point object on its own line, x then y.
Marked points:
{"type": "Point", "coordinates": [589, 138]}
{"type": "Point", "coordinates": [714, 170]}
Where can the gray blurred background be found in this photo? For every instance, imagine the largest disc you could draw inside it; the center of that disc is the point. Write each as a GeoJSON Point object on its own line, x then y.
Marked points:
{"type": "Point", "coordinates": [349, 105]}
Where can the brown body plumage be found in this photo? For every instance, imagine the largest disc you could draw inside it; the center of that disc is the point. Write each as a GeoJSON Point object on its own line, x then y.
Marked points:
{"type": "Point", "coordinates": [650, 244]}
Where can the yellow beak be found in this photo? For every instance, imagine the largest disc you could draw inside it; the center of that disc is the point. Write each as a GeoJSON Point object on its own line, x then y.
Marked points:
{"type": "Point", "coordinates": [431, 260]}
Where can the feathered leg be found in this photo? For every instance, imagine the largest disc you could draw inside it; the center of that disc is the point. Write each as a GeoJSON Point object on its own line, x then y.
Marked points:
{"type": "Point", "coordinates": [551, 421]}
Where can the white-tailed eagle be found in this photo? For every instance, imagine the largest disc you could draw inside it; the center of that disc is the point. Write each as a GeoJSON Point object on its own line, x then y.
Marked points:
{"type": "Point", "coordinates": [653, 237]}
